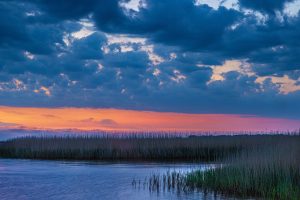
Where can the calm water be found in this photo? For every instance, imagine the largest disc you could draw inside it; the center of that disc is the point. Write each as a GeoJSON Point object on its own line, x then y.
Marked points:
{"type": "Point", "coordinates": [26, 179]}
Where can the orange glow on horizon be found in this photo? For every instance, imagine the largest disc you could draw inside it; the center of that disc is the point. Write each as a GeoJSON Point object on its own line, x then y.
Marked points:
{"type": "Point", "coordinates": [126, 120]}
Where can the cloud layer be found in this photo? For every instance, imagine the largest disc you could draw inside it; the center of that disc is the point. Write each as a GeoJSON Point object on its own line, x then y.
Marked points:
{"type": "Point", "coordinates": [238, 57]}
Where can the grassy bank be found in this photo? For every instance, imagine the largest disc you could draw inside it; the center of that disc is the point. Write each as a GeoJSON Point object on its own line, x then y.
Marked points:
{"type": "Point", "coordinates": [271, 171]}
{"type": "Point", "coordinates": [265, 166]}
{"type": "Point", "coordinates": [205, 148]}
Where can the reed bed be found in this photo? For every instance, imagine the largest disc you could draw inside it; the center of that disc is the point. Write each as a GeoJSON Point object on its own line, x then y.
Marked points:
{"type": "Point", "coordinates": [159, 148]}
{"type": "Point", "coordinates": [264, 166]}
{"type": "Point", "coordinates": [271, 172]}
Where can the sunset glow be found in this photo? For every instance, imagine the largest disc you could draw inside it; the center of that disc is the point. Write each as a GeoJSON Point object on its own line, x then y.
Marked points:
{"type": "Point", "coordinates": [149, 99]}
{"type": "Point", "coordinates": [114, 119]}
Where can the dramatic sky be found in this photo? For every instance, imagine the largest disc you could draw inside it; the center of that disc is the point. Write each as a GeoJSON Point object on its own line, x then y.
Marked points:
{"type": "Point", "coordinates": [195, 64]}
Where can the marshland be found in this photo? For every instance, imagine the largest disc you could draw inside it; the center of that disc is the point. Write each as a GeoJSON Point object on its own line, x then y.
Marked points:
{"type": "Point", "coordinates": [255, 166]}
{"type": "Point", "coordinates": [140, 147]}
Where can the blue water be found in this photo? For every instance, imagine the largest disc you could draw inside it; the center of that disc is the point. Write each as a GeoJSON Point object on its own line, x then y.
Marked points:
{"type": "Point", "coordinates": [38, 180]}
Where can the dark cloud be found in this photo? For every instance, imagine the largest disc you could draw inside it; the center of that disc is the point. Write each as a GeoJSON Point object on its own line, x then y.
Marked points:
{"type": "Point", "coordinates": [89, 47]}
{"type": "Point", "coordinates": [20, 33]}
{"type": "Point", "coordinates": [88, 120]}
{"type": "Point", "coordinates": [131, 59]}
{"type": "Point", "coordinates": [190, 40]}
{"type": "Point", "coordinates": [108, 123]}
{"type": "Point", "coordinates": [4, 124]}
{"type": "Point", "coordinates": [50, 116]}
{"type": "Point", "coordinates": [185, 25]}
{"type": "Point", "coordinates": [10, 32]}
{"type": "Point", "coordinates": [199, 28]}
{"type": "Point", "coordinates": [74, 9]}
{"type": "Point", "coordinates": [268, 6]}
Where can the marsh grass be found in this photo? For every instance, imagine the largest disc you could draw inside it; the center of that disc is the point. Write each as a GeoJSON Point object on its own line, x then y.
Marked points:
{"type": "Point", "coordinates": [159, 148]}
{"type": "Point", "coordinates": [264, 166]}
{"type": "Point", "coordinates": [271, 171]}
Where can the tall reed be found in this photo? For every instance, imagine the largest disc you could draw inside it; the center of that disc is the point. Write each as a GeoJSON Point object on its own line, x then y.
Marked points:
{"type": "Point", "coordinates": [202, 148]}
{"type": "Point", "coordinates": [269, 171]}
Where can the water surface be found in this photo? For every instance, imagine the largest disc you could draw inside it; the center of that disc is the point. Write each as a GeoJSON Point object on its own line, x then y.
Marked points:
{"type": "Point", "coordinates": [37, 180]}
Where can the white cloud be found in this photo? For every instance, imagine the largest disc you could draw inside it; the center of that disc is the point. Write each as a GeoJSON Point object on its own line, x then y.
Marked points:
{"type": "Point", "coordinates": [155, 59]}
{"type": "Point", "coordinates": [217, 3]}
{"type": "Point", "coordinates": [230, 65]}
{"type": "Point", "coordinates": [122, 38]}
{"type": "Point", "coordinates": [29, 55]}
{"type": "Point", "coordinates": [13, 85]}
{"type": "Point", "coordinates": [125, 42]}
{"type": "Point", "coordinates": [177, 76]}
{"type": "Point", "coordinates": [133, 4]}
{"type": "Point", "coordinates": [292, 8]}
{"type": "Point", "coordinates": [156, 72]}
{"type": "Point", "coordinates": [43, 89]}
{"type": "Point", "coordinates": [286, 85]}
{"type": "Point", "coordinates": [84, 32]}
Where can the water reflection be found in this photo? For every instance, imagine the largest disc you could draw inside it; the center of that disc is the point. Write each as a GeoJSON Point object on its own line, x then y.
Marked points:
{"type": "Point", "coordinates": [37, 180]}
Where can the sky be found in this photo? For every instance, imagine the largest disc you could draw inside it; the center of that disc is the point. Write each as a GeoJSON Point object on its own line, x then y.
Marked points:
{"type": "Point", "coordinates": [148, 64]}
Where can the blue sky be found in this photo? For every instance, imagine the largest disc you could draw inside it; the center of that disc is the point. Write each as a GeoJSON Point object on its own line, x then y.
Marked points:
{"type": "Point", "coordinates": [229, 57]}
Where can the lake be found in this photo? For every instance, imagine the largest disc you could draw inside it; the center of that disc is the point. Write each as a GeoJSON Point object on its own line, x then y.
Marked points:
{"type": "Point", "coordinates": [37, 180]}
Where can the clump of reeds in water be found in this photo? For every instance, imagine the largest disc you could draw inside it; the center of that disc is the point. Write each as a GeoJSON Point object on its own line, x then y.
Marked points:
{"type": "Point", "coordinates": [170, 181]}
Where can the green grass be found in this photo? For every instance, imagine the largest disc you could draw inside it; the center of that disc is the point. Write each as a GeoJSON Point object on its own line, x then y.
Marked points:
{"type": "Point", "coordinates": [271, 172]}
